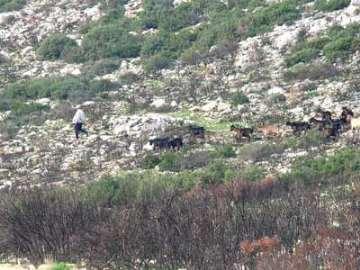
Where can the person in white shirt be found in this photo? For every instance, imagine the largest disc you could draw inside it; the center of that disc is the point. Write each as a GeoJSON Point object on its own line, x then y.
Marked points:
{"type": "Point", "coordinates": [78, 121]}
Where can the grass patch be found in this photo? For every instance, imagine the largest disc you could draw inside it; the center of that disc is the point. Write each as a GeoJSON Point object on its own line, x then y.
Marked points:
{"type": "Point", "coordinates": [10, 5]}
{"type": "Point", "coordinates": [61, 266]}
{"type": "Point", "coordinates": [208, 123]}
{"type": "Point", "coordinates": [331, 5]}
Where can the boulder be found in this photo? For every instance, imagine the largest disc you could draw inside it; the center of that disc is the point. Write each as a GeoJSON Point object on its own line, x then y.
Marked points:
{"type": "Point", "coordinates": [5, 18]}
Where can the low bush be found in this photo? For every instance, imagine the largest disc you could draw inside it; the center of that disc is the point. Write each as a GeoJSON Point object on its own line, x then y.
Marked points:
{"type": "Point", "coordinates": [110, 40]}
{"type": "Point", "coordinates": [252, 173]}
{"type": "Point", "coordinates": [316, 71]}
{"type": "Point", "coordinates": [259, 152]}
{"type": "Point", "coordinates": [56, 46]}
{"type": "Point", "coordinates": [320, 171]}
{"type": "Point", "coordinates": [331, 5]}
{"type": "Point", "coordinates": [157, 62]}
{"type": "Point", "coordinates": [225, 151]}
{"type": "Point", "coordinates": [9, 5]}
{"type": "Point", "coordinates": [64, 88]}
{"type": "Point", "coordinates": [304, 55]}
{"type": "Point", "coordinates": [150, 161]}
{"type": "Point", "coordinates": [239, 98]}
{"type": "Point", "coordinates": [101, 67]}
{"type": "Point", "coordinates": [335, 44]}
{"type": "Point", "coordinates": [217, 172]}
{"type": "Point", "coordinates": [338, 48]}
{"type": "Point", "coordinates": [169, 161]}
{"type": "Point", "coordinates": [194, 160]}
{"type": "Point", "coordinates": [263, 20]}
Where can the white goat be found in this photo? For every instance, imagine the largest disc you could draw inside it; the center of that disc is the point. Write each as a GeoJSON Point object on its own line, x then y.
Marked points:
{"type": "Point", "coordinates": [355, 123]}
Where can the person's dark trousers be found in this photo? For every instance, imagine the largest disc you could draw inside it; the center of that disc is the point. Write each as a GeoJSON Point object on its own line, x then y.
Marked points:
{"type": "Point", "coordinates": [78, 129]}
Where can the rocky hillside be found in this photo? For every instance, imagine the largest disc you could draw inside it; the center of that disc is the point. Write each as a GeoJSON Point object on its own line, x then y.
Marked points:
{"type": "Point", "coordinates": [144, 70]}
{"type": "Point", "coordinates": [249, 193]}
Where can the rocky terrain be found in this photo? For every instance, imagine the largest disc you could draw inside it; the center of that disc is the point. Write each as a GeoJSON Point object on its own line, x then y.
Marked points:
{"type": "Point", "coordinates": [140, 75]}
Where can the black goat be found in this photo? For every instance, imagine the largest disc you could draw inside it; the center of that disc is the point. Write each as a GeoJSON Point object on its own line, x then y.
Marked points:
{"type": "Point", "coordinates": [166, 143]}
{"type": "Point", "coordinates": [298, 127]}
{"type": "Point", "coordinates": [175, 144]}
{"type": "Point", "coordinates": [197, 131]}
{"type": "Point", "coordinates": [160, 143]}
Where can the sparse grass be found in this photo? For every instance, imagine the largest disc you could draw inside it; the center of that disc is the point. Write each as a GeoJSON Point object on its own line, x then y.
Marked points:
{"type": "Point", "coordinates": [213, 125]}
{"type": "Point", "coordinates": [61, 266]}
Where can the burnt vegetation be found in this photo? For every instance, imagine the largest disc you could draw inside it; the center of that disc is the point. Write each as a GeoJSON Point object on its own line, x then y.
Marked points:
{"type": "Point", "coordinates": [130, 222]}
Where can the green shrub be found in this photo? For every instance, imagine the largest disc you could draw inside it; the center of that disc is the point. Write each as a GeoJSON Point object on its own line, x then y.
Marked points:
{"type": "Point", "coordinates": [225, 151]}
{"type": "Point", "coordinates": [19, 108]}
{"type": "Point", "coordinates": [9, 5]}
{"type": "Point", "coordinates": [263, 20]}
{"type": "Point", "coordinates": [217, 172]}
{"type": "Point", "coordinates": [169, 162]}
{"type": "Point", "coordinates": [101, 67]}
{"type": "Point", "coordinates": [61, 266]}
{"type": "Point", "coordinates": [239, 98]}
{"type": "Point", "coordinates": [21, 114]}
{"type": "Point", "coordinates": [128, 188]}
{"type": "Point", "coordinates": [56, 46]}
{"type": "Point", "coordinates": [150, 161]}
{"type": "Point", "coordinates": [153, 11]}
{"type": "Point", "coordinates": [339, 48]}
{"type": "Point", "coordinates": [106, 41]}
{"type": "Point", "coordinates": [252, 173]}
{"type": "Point", "coordinates": [318, 71]}
{"type": "Point", "coordinates": [178, 18]}
{"type": "Point", "coordinates": [64, 88]}
{"type": "Point", "coordinates": [316, 171]}
{"type": "Point", "coordinates": [157, 62]}
{"type": "Point", "coordinates": [165, 47]}
{"type": "Point", "coordinates": [193, 56]}
{"type": "Point", "coordinates": [305, 55]}
{"type": "Point", "coordinates": [313, 138]}
{"type": "Point", "coordinates": [331, 5]}
{"type": "Point", "coordinates": [335, 44]}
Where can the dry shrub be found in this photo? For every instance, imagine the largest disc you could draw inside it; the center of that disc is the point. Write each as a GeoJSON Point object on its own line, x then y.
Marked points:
{"type": "Point", "coordinates": [222, 226]}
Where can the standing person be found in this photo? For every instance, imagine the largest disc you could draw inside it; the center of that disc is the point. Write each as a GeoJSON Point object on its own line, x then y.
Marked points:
{"type": "Point", "coordinates": [78, 121]}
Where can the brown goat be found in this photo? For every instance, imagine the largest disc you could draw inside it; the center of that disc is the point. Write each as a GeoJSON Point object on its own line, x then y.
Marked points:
{"type": "Point", "coordinates": [241, 132]}
{"type": "Point", "coordinates": [269, 130]}
{"type": "Point", "coordinates": [265, 244]}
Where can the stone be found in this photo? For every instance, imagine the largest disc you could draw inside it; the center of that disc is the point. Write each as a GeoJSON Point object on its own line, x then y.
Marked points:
{"type": "Point", "coordinates": [4, 57]}
{"type": "Point", "coordinates": [158, 103]}
{"type": "Point", "coordinates": [43, 101]}
{"type": "Point", "coordinates": [276, 90]}
{"type": "Point", "coordinates": [5, 18]}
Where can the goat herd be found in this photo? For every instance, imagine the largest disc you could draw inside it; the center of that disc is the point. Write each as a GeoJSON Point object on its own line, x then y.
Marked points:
{"type": "Point", "coordinates": [330, 127]}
